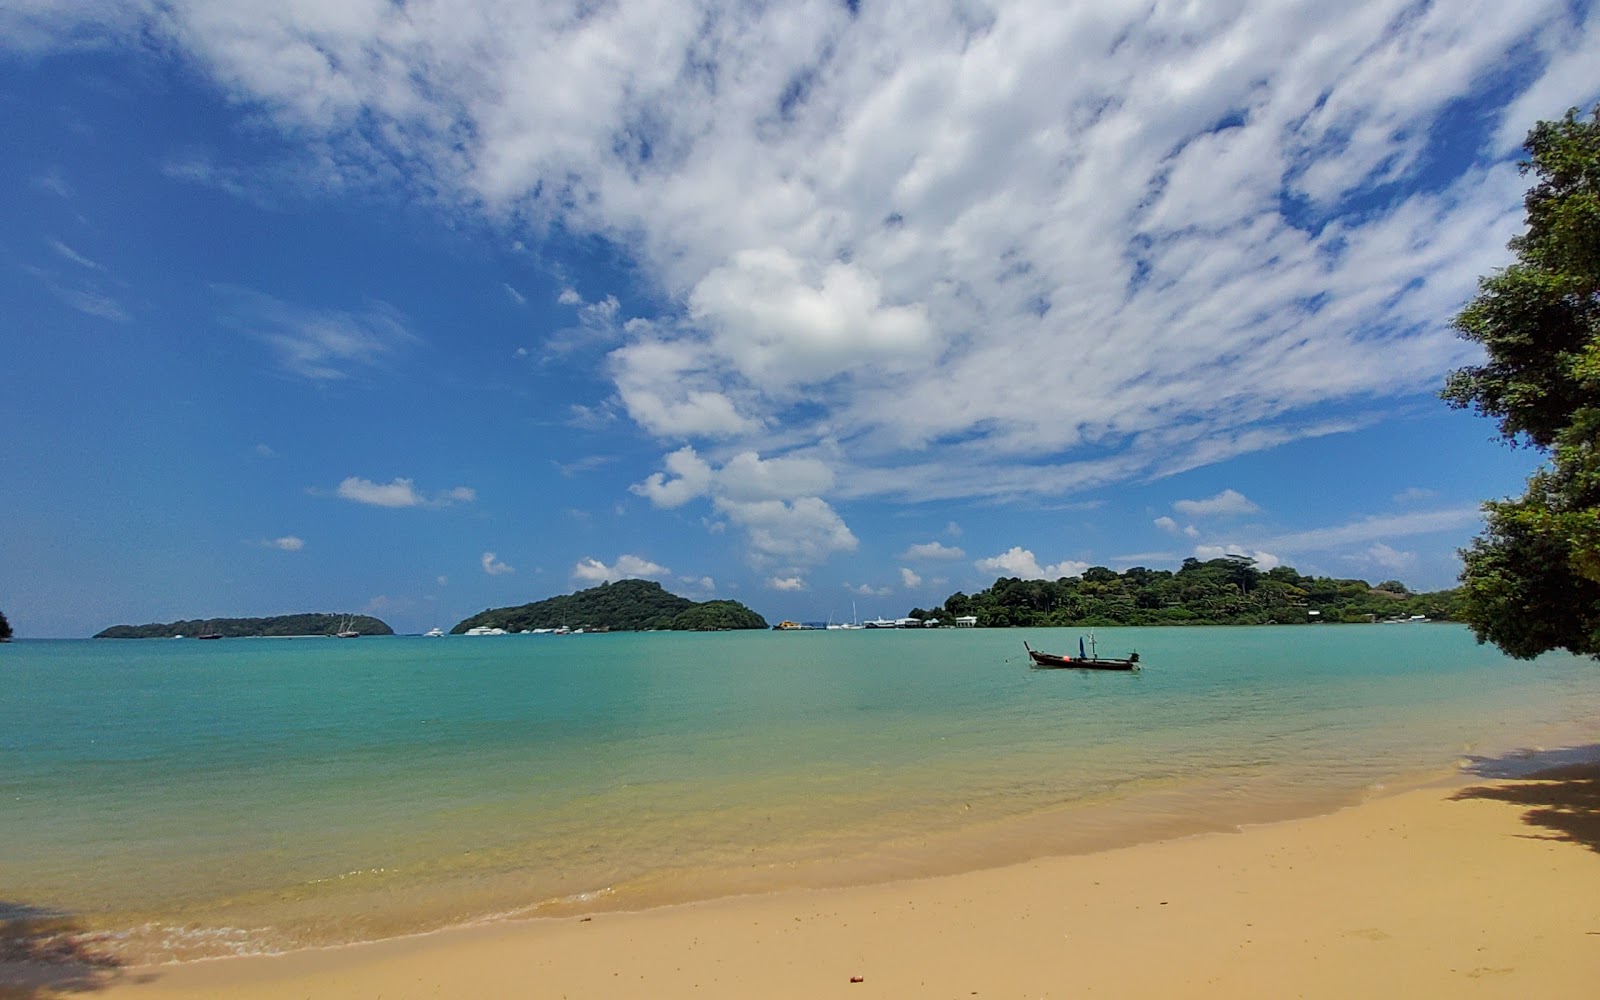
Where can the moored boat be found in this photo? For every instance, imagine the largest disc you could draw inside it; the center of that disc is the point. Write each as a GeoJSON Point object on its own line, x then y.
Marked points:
{"type": "Point", "coordinates": [1083, 661]}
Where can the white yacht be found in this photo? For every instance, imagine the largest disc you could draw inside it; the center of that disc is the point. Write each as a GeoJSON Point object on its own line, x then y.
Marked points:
{"type": "Point", "coordinates": [434, 633]}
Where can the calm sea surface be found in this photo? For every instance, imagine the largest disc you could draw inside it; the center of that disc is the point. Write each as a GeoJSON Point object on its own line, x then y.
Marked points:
{"type": "Point", "coordinates": [186, 799]}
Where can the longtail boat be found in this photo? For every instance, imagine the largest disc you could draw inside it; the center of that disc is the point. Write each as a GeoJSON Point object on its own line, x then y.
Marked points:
{"type": "Point", "coordinates": [1053, 661]}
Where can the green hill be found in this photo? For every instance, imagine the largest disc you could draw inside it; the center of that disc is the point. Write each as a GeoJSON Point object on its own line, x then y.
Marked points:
{"type": "Point", "coordinates": [1226, 591]}
{"type": "Point", "coordinates": [237, 628]}
{"type": "Point", "coordinates": [624, 606]}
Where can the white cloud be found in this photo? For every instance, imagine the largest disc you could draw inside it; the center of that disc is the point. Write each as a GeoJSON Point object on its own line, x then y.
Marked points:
{"type": "Point", "coordinates": [1191, 531]}
{"type": "Point", "coordinates": [493, 566]}
{"type": "Point", "coordinates": [400, 492]}
{"type": "Point", "coordinates": [1167, 524]}
{"type": "Point", "coordinates": [265, 451]}
{"type": "Point", "coordinates": [515, 296]}
{"type": "Point", "coordinates": [317, 344]}
{"type": "Point", "coordinates": [1413, 494]}
{"type": "Point", "coordinates": [1387, 558]}
{"type": "Point", "coordinates": [868, 590]}
{"type": "Point", "coordinates": [74, 256]}
{"type": "Point", "coordinates": [627, 567]}
{"type": "Point", "coordinates": [1230, 214]}
{"type": "Point", "coordinates": [288, 543]}
{"type": "Point", "coordinates": [802, 532]}
{"type": "Point", "coordinates": [771, 499]}
{"type": "Point", "coordinates": [787, 583]}
{"type": "Point", "coordinates": [1021, 563]}
{"type": "Point", "coordinates": [909, 579]}
{"type": "Point", "coordinates": [1263, 560]}
{"type": "Point", "coordinates": [687, 476]}
{"type": "Point", "coordinates": [1225, 503]}
{"type": "Point", "coordinates": [442, 580]}
{"type": "Point", "coordinates": [1369, 529]}
{"type": "Point", "coordinates": [933, 550]}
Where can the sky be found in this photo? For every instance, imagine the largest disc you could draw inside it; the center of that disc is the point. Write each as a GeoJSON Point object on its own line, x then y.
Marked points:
{"type": "Point", "coordinates": [831, 308]}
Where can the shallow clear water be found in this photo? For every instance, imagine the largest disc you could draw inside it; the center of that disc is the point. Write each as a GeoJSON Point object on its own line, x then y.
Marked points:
{"type": "Point", "coordinates": [253, 795]}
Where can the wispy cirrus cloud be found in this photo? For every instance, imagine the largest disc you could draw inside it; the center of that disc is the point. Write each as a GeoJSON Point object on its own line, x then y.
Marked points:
{"type": "Point", "coordinates": [1240, 225]}
{"type": "Point", "coordinates": [315, 343]}
{"type": "Point", "coordinates": [1375, 528]}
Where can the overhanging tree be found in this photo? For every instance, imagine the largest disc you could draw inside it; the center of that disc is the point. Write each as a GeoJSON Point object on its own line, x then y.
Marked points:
{"type": "Point", "coordinates": [1532, 579]}
{"type": "Point", "coordinates": [5, 626]}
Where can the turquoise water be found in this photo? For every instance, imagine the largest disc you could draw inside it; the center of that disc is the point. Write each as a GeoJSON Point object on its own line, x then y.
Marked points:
{"type": "Point", "coordinates": [189, 799]}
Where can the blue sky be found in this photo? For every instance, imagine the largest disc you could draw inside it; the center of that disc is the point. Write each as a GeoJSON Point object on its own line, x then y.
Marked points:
{"type": "Point", "coordinates": [417, 309]}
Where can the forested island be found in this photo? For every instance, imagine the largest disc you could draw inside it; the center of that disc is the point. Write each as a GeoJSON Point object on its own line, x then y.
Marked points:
{"type": "Point", "coordinates": [1227, 591]}
{"type": "Point", "coordinates": [239, 628]}
{"type": "Point", "coordinates": [623, 606]}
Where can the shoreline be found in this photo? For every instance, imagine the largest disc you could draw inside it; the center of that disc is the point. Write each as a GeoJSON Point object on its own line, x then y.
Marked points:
{"type": "Point", "coordinates": [1483, 883]}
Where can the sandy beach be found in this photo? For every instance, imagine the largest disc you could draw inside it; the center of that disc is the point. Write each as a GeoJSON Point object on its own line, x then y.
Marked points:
{"type": "Point", "coordinates": [1475, 887]}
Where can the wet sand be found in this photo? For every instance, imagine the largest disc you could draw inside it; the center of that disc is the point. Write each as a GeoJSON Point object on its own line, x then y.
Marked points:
{"type": "Point", "coordinates": [1483, 887]}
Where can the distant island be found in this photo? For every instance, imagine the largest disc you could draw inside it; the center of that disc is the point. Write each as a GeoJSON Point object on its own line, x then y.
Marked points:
{"type": "Point", "coordinates": [240, 628]}
{"type": "Point", "coordinates": [1225, 591]}
{"type": "Point", "coordinates": [623, 606]}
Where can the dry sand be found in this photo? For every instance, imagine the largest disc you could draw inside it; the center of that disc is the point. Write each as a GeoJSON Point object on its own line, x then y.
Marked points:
{"type": "Point", "coordinates": [1490, 889]}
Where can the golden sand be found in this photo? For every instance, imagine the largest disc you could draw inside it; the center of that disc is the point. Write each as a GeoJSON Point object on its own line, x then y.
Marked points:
{"type": "Point", "coordinates": [1483, 890]}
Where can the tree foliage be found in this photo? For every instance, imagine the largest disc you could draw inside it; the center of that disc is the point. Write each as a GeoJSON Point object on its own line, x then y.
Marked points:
{"type": "Point", "coordinates": [241, 628]}
{"type": "Point", "coordinates": [1230, 591]}
{"type": "Point", "coordinates": [5, 626]}
{"type": "Point", "coordinates": [1532, 579]}
{"type": "Point", "coordinates": [623, 606]}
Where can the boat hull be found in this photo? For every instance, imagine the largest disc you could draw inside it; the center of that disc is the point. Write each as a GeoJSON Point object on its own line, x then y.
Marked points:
{"type": "Point", "coordinates": [1050, 661]}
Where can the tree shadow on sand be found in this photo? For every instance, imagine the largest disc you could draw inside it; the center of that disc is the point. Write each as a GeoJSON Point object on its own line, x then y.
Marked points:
{"type": "Point", "coordinates": [1561, 789]}
{"type": "Point", "coordinates": [45, 953]}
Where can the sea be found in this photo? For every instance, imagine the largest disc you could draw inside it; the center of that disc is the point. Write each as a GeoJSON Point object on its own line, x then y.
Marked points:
{"type": "Point", "coordinates": [170, 800]}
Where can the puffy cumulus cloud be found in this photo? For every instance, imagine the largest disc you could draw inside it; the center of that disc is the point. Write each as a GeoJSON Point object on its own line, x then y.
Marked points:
{"type": "Point", "coordinates": [1167, 524]}
{"type": "Point", "coordinates": [743, 478]}
{"type": "Point", "coordinates": [1263, 560]}
{"type": "Point", "coordinates": [687, 476]}
{"type": "Point", "coordinates": [787, 583]}
{"type": "Point", "coordinates": [1242, 219]}
{"type": "Point", "coordinates": [783, 321]}
{"type": "Point", "coordinates": [801, 532]}
{"type": "Point", "coordinates": [933, 551]}
{"type": "Point", "coordinates": [1021, 563]}
{"type": "Point", "coordinates": [770, 499]}
{"type": "Point", "coordinates": [627, 567]}
{"type": "Point", "coordinates": [400, 492]}
{"type": "Point", "coordinates": [1225, 503]}
{"type": "Point", "coordinates": [493, 566]}
{"type": "Point", "coordinates": [670, 390]}
{"type": "Point", "coordinates": [909, 579]}
{"type": "Point", "coordinates": [747, 476]}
